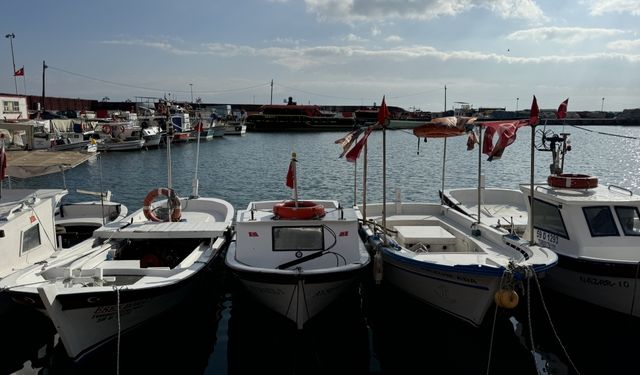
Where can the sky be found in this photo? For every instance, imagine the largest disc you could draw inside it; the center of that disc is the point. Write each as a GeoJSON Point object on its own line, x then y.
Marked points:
{"type": "Point", "coordinates": [488, 53]}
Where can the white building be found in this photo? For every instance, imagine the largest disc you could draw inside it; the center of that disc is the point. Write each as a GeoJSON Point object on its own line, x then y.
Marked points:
{"type": "Point", "coordinates": [13, 107]}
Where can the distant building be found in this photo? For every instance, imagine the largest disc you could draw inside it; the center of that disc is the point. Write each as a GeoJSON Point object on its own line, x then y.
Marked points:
{"type": "Point", "coordinates": [13, 107]}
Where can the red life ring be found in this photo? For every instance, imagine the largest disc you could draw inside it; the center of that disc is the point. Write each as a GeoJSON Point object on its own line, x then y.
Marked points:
{"type": "Point", "coordinates": [572, 181]}
{"type": "Point", "coordinates": [106, 129]}
{"type": "Point", "coordinates": [174, 201]}
{"type": "Point", "coordinates": [305, 210]}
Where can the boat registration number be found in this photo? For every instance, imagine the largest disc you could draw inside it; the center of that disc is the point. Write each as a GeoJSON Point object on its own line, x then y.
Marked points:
{"type": "Point", "coordinates": [546, 239]}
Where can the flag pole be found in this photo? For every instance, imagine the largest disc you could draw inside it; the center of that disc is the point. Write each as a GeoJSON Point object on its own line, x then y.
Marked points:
{"type": "Point", "coordinates": [479, 168]}
{"type": "Point", "coordinates": [384, 184]}
{"type": "Point", "coordinates": [444, 159]}
{"type": "Point", "coordinates": [531, 183]}
{"type": "Point", "coordinates": [295, 178]}
{"type": "Point", "coordinates": [364, 185]}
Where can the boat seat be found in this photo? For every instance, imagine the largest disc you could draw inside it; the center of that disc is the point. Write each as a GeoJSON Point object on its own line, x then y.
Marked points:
{"type": "Point", "coordinates": [410, 235]}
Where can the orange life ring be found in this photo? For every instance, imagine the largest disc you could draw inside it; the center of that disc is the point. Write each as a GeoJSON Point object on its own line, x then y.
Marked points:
{"type": "Point", "coordinates": [572, 181]}
{"type": "Point", "coordinates": [174, 202]}
{"type": "Point", "coordinates": [106, 129]}
{"type": "Point", "coordinates": [304, 210]}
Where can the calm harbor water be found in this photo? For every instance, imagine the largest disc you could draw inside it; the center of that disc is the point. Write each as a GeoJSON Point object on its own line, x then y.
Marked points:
{"type": "Point", "coordinates": [376, 330]}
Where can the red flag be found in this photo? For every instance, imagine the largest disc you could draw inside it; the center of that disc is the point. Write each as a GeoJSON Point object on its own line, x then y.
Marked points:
{"type": "Point", "coordinates": [291, 174]}
{"type": "Point", "coordinates": [3, 159]}
{"type": "Point", "coordinates": [383, 113]}
{"type": "Point", "coordinates": [562, 110]}
{"type": "Point", "coordinates": [19, 72]}
{"type": "Point", "coordinates": [533, 116]}
{"type": "Point", "coordinates": [354, 153]}
{"type": "Point", "coordinates": [506, 131]}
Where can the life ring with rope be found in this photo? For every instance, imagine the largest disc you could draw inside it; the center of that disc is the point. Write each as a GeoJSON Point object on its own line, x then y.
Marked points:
{"type": "Point", "coordinates": [301, 210]}
{"type": "Point", "coordinates": [173, 202]}
{"type": "Point", "coordinates": [572, 181]}
{"type": "Point", "coordinates": [106, 129]}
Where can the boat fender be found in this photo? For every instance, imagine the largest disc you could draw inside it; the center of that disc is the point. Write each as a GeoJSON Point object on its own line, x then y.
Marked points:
{"type": "Point", "coordinates": [377, 267]}
{"type": "Point", "coordinates": [174, 203]}
{"type": "Point", "coordinates": [302, 210]}
{"type": "Point", "coordinates": [507, 298]}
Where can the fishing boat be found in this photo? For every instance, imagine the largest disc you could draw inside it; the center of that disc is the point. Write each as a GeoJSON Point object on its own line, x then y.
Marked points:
{"type": "Point", "coordinates": [297, 257]}
{"type": "Point", "coordinates": [440, 256]}
{"type": "Point", "coordinates": [133, 270]}
{"type": "Point", "coordinates": [295, 117]}
{"type": "Point", "coordinates": [594, 229]}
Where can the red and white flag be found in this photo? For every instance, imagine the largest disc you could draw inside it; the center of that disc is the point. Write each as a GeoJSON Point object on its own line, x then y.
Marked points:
{"type": "Point", "coordinates": [19, 72]}
{"type": "Point", "coordinates": [506, 132]}
{"type": "Point", "coordinates": [347, 141]}
{"type": "Point", "coordinates": [562, 109]}
{"type": "Point", "coordinates": [354, 153]}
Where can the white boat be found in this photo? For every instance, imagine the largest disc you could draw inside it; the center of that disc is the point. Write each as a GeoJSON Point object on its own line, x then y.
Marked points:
{"type": "Point", "coordinates": [297, 265]}
{"type": "Point", "coordinates": [234, 127]}
{"type": "Point", "coordinates": [594, 229]}
{"type": "Point", "coordinates": [296, 257]}
{"type": "Point", "coordinates": [34, 224]}
{"type": "Point", "coordinates": [115, 144]}
{"type": "Point", "coordinates": [433, 253]}
{"type": "Point", "coordinates": [134, 270]}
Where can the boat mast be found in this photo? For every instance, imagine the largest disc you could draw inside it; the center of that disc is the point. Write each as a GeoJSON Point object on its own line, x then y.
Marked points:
{"type": "Point", "coordinates": [195, 183]}
{"type": "Point", "coordinates": [479, 169]}
{"type": "Point", "coordinates": [444, 152]}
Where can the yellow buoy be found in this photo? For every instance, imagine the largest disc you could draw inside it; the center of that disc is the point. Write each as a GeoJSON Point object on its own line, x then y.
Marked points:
{"type": "Point", "coordinates": [506, 298]}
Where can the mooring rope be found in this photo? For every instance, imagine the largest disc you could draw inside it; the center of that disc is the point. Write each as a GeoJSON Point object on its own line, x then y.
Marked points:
{"type": "Point", "coordinates": [115, 287]}
{"type": "Point", "coordinates": [605, 133]}
{"type": "Point", "coordinates": [553, 328]}
{"type": "Point", "coordinates": [493, 325]}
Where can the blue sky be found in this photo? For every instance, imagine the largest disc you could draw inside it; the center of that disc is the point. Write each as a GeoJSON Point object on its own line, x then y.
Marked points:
{"type": "Point", "coordinates": [487, 52]}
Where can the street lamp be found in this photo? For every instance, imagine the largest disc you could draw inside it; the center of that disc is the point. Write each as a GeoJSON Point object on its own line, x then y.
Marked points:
{"type": "Point", "coordinates": [15, 80]}
{"type": "Point", "coordinates": [517, 100]}
{"type": "Point", "coordinates": [602, 106]}
{"type": "Point", "coordinates": [191, 87]}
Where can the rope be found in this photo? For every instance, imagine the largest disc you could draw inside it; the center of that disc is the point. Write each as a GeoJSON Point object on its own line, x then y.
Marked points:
{"type": "Point", "coordinates": [604, 133]}
{"type": "Point", "coordinates": [564, 349]}
{"type": "Point", "coordinates": [115, 287]}
{"type": "Point", "coordinates": [533, 347]}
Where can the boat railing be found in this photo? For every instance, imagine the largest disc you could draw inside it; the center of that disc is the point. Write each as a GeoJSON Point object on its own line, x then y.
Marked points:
{"type": "Point", "coordinates": [620, 188]}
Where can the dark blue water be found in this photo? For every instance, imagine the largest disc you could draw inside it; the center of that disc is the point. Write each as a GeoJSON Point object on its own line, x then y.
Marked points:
{"type": "Point", "coordinates": [374, 330]}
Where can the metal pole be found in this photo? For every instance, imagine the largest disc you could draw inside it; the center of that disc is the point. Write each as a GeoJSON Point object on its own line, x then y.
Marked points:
{"type": "Point", "coordinates": [191, 87]}
{"type": "Point", "coordinates": [15, 80]}
{"type": "Point", "coordinates": [445, 98]}
{"type": "Point", "coordinates": [517, 101]}
{"type": "Point", "coordinates": [295, 178]}
{"type": "Point", "coordinates": [531, 185]}
{"type": "Point", "coordinates": [384, 184]}
{"type": "Point", "coordinates": [44, 67]}
{"type": "Point", "coordinates": [364, 185]}
{"type": "Point", "coordinates": [444, 159]}
{"type": "Point", "coordinates": [479, 169]}
{"type": "Point", "coordinates": [271, 101]}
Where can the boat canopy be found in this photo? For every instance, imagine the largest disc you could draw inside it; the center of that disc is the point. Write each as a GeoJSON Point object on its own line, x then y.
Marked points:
{"type": "Point", "coordinates": [25, 164]}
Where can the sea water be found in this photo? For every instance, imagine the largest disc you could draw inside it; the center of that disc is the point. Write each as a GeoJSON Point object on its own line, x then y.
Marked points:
{"type": "Point", "coordinates": [374, 330]}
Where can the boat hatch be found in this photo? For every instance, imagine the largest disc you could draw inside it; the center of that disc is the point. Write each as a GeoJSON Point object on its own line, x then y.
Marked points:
{"type": "Point", "coordinates": [429, 237]}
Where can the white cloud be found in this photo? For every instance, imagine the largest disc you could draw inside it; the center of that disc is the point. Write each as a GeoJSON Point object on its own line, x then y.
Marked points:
{"type": "Point", "coordinates": [600, 7]}
{"type": "Point", "coordinates": [393, 38]}
{"type": "Point", "coordinates": [570, 35]}
{"type": "Point", "coordinates": [351, 11]}
{"type": "Point", "coordinates": [354, 38]}
{"type": "Point", "coordinates": [165, 46]}
{"type": "Point", "coordinates": [299, 57]}
{"type": "Point", "coordinates": [624, 45]}
{"type": "Point", "coordinates": [375, 31]}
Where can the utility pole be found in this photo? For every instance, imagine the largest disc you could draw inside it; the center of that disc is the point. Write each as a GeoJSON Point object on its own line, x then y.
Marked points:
{"type": "Point", "coordinates": [15, 80]}
{"type": "Point", "coordinates": [271, 102]}
{"type": "Point", "coordinates": [445, 98]}
{"type": "Point", "coordinates": [517, 101]}
{"type": "Point", "coordinates": [602, 106]}
{"type": "Point", "coordinates": [44, 67]}
{"type": "Point", "coordinates": [191, 87]}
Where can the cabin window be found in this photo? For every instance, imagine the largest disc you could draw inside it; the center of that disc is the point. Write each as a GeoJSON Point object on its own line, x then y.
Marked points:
{"type": "Point", "coordinates": [548, 218]}
{"type": "Point", "coordinates": [600, 220]}
{"type": "Point", "coordinates": [11, 106]}
{"type": "Point", "coordinates": [298, 238]}
{"type": "Point", "coordinates": [629, 220]}
{"type": "Point", "coordinates": [31, 238]}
